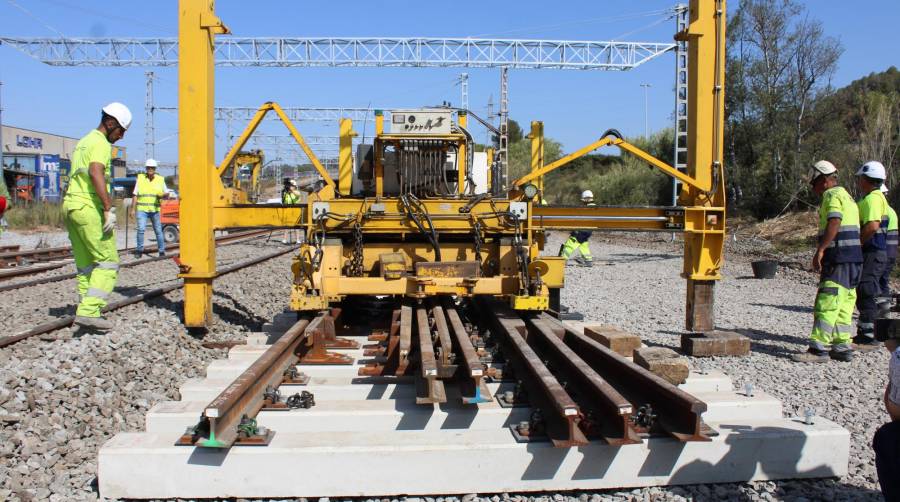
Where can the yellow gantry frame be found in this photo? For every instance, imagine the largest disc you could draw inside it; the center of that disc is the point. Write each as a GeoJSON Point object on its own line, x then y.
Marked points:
{"type": "Point", "coordinates": [701, 210]}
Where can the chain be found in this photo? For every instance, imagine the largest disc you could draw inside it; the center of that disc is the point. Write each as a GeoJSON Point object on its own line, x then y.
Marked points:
{"type": "Point", "coordinates": [521, 255]}
{"type": "Point", "coordinates": [476, 227]}
{"type": "Point", "coordinates": [356, 262]}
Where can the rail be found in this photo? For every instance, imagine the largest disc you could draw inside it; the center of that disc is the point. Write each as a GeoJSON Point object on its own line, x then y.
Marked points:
{"type": "Point", "coordinates": [68, 320]}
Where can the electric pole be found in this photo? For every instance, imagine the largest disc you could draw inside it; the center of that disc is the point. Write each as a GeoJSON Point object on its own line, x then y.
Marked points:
{"type": "Point", "coordinates": [646, 112]}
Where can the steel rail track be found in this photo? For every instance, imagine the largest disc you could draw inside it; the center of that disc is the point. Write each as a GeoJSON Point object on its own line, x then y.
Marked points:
{"type": "Point", "coordinates": [32, 270]}
{"type": "Point", "coordinates": [582, 390]}
{"type": "Point", "coordinates": [15, 257]}
{"type": "Point", "coordinates": [130, 300]}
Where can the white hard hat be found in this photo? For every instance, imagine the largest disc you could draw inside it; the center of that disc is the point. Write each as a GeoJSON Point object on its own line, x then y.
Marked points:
{"type": "Point", "coordinates": [292, 183]}
{"type": "Point", "coordinates": [119, 112]}
{"type": "Point", "coordinates": [872, 169]}
{"type": "Point", "coordinates": [821, 168]}
{"type": "Point", "coordinates": [587, 194]}
{"type": "Point", "coordinates": [151, 163]}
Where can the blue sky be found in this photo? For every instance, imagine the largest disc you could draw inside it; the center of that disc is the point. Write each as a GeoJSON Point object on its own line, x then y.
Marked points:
{"type": "Point", "coordinates": [575, 106]}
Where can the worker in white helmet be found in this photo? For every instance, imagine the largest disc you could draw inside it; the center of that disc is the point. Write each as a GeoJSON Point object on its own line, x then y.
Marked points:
{"type": "Point", "coordinates": [91, 217]}
{"type": "Point", "coordinates": [580, 239]}
{"type": "Point", "coordinates": [891, 244]}
{"type": "Point", "coordinates": [838, 259]}
{"type": "Point", "coordinates": [148, 191]}
{"type": "Point", "coordinates": [873, 222]}
{"type": "Point", "coordinates": [290, 195]}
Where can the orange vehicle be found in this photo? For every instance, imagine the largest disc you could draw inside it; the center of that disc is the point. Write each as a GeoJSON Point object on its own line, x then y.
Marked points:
{"type": "Point", "coordinates": [168, 216]}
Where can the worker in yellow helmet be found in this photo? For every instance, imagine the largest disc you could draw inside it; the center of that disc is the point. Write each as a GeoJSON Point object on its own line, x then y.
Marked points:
{"type": "Point", "coordinates": [580, 239]}
{"type": "Point", "coordinates": [148, 191]}
{"type": "Point", "coordinates": [91, 217]}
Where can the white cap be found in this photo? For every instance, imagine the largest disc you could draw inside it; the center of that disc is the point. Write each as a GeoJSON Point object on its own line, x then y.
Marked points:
{"type": "Point", "coordinates": [119, 112]}
{"type": "Point", "coordinates": [151, 163]}
{"type": "Point", "coordinates": [587, 194]}
{"type": "Point", "coordinates": [872, 169]}
{"type": "Point", "coordinates": [821, 168]}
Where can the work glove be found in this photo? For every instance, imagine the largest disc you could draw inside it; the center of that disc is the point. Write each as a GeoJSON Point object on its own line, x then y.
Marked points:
{"type": "Point", "coordinates": [109, 220]}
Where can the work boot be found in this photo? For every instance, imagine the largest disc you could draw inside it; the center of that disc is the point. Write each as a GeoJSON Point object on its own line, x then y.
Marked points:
{"type": "Point", "coordinates": [811, 356]}
{"type": "Point", "coordinates": [864, 343]}
{"type": "Point", "coordinates": [844, 356]}
{"type": "Point", "coordinates": [93, 323]}
{"type": "Point", "coordinates": [162, 253]}
{"type": "Point", "coordinates": [138, 253]}
{"type": "Point", "coordinates": [584, 262]}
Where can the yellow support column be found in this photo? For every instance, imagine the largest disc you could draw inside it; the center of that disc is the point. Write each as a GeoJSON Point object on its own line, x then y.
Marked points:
{"type": "Point", "coordinates": [197, 26]}
{"type": "Point", "coordinates": [490, 172]}
{"type": "Point", "coordinates": [462, 155]}
{"type": "Point", "coordinates": [705, 214]}
{"type": "Point", "coordinates": [379, 168]}
{"type": "Point", "coordinates": [537, 152]}
{"type": "Point", "coordinates": [345, 157]}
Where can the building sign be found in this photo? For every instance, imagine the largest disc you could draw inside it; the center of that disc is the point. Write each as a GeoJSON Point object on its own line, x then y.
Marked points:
{"type": "Point", "coordinates": [48, 184]}
{"type": "Point", "coordinates": [29, 142]}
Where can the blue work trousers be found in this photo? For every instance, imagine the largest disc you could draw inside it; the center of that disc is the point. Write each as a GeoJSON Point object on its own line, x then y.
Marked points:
{"type": "Point", "coordinates": [142, 217]}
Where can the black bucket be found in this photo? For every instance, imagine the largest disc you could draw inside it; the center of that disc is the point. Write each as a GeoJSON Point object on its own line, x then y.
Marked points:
{"type": "Point", "coordinates": [764, 269]}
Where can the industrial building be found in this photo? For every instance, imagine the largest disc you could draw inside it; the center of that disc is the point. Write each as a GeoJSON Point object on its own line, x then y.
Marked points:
{"type": "Point", "coordinates": [37, 163]}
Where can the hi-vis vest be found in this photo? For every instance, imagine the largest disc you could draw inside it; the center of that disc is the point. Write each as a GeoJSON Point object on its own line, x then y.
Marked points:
{"type": "Point", "coordinates": [92, 148]}
{"type": "Point", "coordinates": [149, 192]}
{"type": "Point", "coordinates": [290, 198]}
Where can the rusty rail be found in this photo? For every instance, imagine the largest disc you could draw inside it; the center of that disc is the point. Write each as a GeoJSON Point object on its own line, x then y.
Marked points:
{"type": "Point", "coordinates": [429, 389]}
{"type": "Point", "coordinates": [245, 396]}
{"type": "Point", "coordinates": [674, 411]}
{"type": "Point", "coordinates": [559, 414]}
{"type": "Point", "coordinates": [607, 413]}
{"type": "Point", "coordinates": [471, 373]}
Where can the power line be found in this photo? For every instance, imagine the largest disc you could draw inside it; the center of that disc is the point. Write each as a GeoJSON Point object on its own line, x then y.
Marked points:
{"type": "Point", "coordinates": [31, 15]}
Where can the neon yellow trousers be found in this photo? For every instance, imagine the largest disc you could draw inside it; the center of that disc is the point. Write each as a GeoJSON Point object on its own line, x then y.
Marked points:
{"type": "Point", "coordinates": [832, 317]}
{"type": "Point", "coordinates": [96, 256]}
{"type": "Point", "coordinates": [572, 244]}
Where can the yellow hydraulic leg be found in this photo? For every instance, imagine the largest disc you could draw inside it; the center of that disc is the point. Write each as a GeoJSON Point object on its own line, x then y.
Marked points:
{"type": "Point", "coordinates": [345, 157]}
{"type": "Point", "coordinates": [462, 155]}
{"type": "Point", "coordinates": [197, 27]}
{"type": "Point", "coordinates": [705, 221]}
{"type": "Point", "coordinates": [537, 153]}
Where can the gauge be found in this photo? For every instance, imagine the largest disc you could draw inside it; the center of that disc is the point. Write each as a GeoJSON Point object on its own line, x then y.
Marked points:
{"type": "Point", "coordinates": [530, 190]}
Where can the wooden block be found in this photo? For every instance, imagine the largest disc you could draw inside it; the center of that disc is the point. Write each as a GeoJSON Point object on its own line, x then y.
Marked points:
{"type": "Point", "coordinates": [615, 339]}
{"type": "Point", "coordinates": [663, 362]}
{"type": "Point", "coordinates": [715, 343]}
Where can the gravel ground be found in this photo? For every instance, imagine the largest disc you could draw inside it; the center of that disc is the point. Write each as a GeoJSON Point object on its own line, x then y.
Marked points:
{"type": "Point", "coordinates": [61, 399]}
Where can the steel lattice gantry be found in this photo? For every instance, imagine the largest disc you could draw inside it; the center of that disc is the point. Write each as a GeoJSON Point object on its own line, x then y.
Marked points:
{"type": "Point", "coordinates": [401, 52]}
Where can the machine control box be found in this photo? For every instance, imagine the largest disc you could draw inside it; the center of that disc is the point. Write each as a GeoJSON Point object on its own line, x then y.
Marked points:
{"type": "Point", "coordinates": [421, 121]}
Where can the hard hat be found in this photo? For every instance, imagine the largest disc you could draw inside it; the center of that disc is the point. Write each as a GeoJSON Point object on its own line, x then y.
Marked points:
{"type": "Point", "coordinates": [151, 163]}
{"type": "Point", "coordinates": [587, 194]}
{"type": "Point", "coordinates": [292, 183]}
{"type": "Point", "coordinates": [821, 168]}
{"type": "Point", "coordinates": [872, 169]}
{"type": "Point", "coordinates": [119, 112]}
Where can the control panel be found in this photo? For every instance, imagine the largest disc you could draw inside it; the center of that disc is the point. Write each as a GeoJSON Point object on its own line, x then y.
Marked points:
{"type": "Point", "coordinates": [421, 121]}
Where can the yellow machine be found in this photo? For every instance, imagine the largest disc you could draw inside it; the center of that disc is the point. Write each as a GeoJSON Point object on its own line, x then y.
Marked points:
{"type": "Point", "coordinates": [240, 174]}
{"type": "Point", "coordinates": [414, 215]}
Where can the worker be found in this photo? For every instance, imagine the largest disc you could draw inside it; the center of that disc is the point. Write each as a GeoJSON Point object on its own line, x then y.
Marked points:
{"type": "Point", "coordinates": [580, 239]}
{"type": "Point", "coordinates": [886, 442]}
{"type": "Point", "coordinates": [290, 195]}
{"type": "Point", "coordinates": [4, 195]}
{"type": "Point", "coordinates": [91, 217]}
{"type": "Point", "coordinates": [838, 259]}
{"type": "Point", "coordinates": [892, 239]}
{"type": "Point", "coordinates": [873, 222]}
{"type": "Point", "coordinates": [148, 191]}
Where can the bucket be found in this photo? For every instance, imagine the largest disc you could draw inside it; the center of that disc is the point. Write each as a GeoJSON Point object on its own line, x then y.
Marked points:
{"type": "Point", "coordinates": [764, 269]}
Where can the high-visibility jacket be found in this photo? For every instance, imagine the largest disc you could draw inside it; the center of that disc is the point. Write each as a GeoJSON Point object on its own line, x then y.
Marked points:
{"type": "Point", "coordinates": [845, 248]}
{"type": "Point", "coordinates": [893, 235]}
{"type": "Point", "coordinates": [289, 197]}
{"type": "Point", "coordinates": [93, 148]}
{"type": "Point", "coordinates": [874, 207]}
{"type": "Point", "coordinates": [148, 193]}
